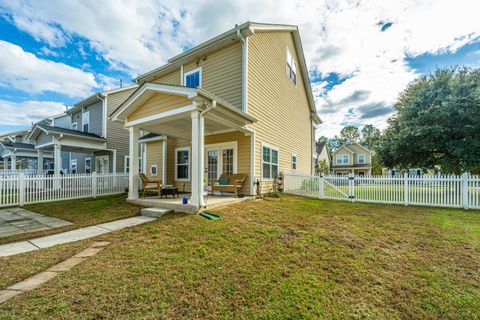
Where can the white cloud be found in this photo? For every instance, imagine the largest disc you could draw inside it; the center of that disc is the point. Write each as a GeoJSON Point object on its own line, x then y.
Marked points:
{"type": "Point", "coordinates": [342, 37]}
{"type": "Point", "coordinates": [24, 113]}
{"type": "Point", "coordinates": [25, 71]}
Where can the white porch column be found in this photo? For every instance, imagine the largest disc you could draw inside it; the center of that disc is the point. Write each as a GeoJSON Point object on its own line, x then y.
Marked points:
{"type": "Point", "coordinates": [164, 162]}
{"type": "Point", "coordinates": [114, 161]}
{"type": "Point", "coordinates": [13, 159]}
{"type": "Point", "coordinates": [197, 159]}
{"type": "Point", "coordinates": [133, 159]}
{"type": "Point", "coordinates": [57, 158]}
{"type": "Point", "coordinates": [40, 161]}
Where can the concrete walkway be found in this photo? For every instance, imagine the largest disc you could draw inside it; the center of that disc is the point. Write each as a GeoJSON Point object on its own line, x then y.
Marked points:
{"type": "Point", "coordinates": [40, 278]}
{"type": "Point", "coordinates": [71, 236]}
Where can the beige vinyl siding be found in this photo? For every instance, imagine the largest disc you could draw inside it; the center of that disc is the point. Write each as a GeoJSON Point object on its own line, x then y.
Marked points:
{"type": "Point", "coordinates": [172, 78]}
{"type": "Point", "coordinates": [154, 156]}
{"type": "Point", "coordinates": [117, 135]}
{"type": "Point", "coordinates": [157, 104]}
{"type": "Point", "coordinates": [281, 108]}
{"type": "Point", "coordinates": [221, 73]}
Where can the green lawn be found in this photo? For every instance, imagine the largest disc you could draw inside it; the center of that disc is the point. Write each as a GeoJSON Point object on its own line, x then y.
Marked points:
{"type": "Point", "coordinates": [286, 258]}
{"type": "Point", "coordinates": [81, 212]}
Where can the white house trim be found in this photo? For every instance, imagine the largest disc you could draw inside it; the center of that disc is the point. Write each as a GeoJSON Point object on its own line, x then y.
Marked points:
{"type": "Point", "coordinates": [162, 115]}
{"type": "Point", "coordinates": [186, 74]}
{"type": "Point", "coordinates": [189, 163]}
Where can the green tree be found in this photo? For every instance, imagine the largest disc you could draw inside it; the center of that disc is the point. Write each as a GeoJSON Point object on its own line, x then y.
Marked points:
{"type": "Point", "coordinates": [370, 136]}
{"type": "Point", "coordinates": [322, 166]}
{"type": "Point", "coordinates": [437, 123]}
{"type": "Point", "coordinates": [349, 133]}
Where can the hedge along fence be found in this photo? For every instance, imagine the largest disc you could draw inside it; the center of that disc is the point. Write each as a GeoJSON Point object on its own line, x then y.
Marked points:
{"type": "Point", "coordinates": [432, 190]}
{"type": "Point", "coordinates": [21, 189]}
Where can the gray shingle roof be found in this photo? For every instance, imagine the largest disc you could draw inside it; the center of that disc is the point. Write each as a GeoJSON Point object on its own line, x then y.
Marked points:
{"type": "Point", "coordinates": [71, 132]}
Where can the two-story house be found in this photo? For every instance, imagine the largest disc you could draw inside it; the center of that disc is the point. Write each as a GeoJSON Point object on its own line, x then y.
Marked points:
{"type": "Point", "coordinates": [238, 103]}
{"type": "Point", "coordinates": [352, 158]}
{"type": "Point", "coordinates": [91, 140]}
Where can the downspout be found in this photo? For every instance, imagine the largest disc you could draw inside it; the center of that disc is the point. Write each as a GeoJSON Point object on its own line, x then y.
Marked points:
{"type": "Point", "coordinates": [244, 42]}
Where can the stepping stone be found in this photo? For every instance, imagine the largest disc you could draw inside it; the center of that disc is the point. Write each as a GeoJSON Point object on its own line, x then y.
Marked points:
{"type": "Point", "coordinates": [155, 212]}
{"type": "Point", "coordinates": [34, 281]}
{"type": "Point", "coordinates": [8, 294]}
{"type": "Point", "coordinates": [67, 264]}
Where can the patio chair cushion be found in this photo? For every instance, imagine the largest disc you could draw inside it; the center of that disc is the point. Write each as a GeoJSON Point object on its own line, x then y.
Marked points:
{"type": "Point", "coordinates": [223, 181]}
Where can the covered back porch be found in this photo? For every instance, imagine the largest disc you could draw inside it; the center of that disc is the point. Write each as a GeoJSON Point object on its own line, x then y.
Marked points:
{"type": "Point", "coordinates": [194, 138]}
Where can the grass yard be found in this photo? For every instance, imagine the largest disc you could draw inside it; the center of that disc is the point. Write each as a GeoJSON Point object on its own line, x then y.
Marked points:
{"type": "Point", "coordinates": [286, 258]}
{"type": "Point", "coordinates": [81, 212]}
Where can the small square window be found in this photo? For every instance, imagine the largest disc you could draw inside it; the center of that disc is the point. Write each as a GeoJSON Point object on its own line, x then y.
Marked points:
{"type": "Point", "coordinates": [154, 170]}
{"type": "Point", "coordinates": [193, 79]}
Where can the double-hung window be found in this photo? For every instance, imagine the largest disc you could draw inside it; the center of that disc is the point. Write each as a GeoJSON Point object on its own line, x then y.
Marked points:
{"type": "Point", "coordinates": [269, 162]}
{"type": "Point", "coordinates": [361, 158]}
{"type": "Point", "coordinates": [182, 164]}
{"type": "Point", "coordinates": [73, 166]}
{"type": "Point", "coordinates": [291, 68]}
{"type": "Point", "coordinates": [342, 159]}
{"type": "Point", "coordinates": [74, 126]}
{"type": "Point", "coordinates": [193, 78]}
{"type": "Point", "coordinates": [294, 161]}
{"type": "Point", "coordinates": [85, 120]}
{"type": "Point", "coordinates": [88, 165]}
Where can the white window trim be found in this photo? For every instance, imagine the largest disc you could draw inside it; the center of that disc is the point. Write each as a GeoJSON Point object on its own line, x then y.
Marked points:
{"type": "Point", "coordinates": [189, 163]}
{"type": "Point", "coordinates": [220, 147]}
{"type": "Point", "coordinates": [125, 164]}
{"type": "Point", "coordinates": [156, 170]}
{"type": "Point", "coordinates": [286, 67]}
{"type": "Point", "coordinates": [102, 157]}
{"type": "Point", "coordinates": [364, 158]}
{"type": "Point", "coordinates": [85, 163]}
{"type": "Point", "coordinates": [72, 161]}
{"type": "Point", "coordinates": [263, 144]}
{"type": "Point", "coordinates": [185, 74]}
{"type": "Point", "coordinates": [338, 156]}
{"type": "Point", "coordinates": [75, 125]}
{"type": "Point", "coordinates": [296, 160]}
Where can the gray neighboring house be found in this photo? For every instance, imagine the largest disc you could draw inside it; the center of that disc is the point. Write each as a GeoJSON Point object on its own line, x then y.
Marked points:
{"type": "Point", "coordinates": [18, 154]}
{"type": "Point", "coordinates": [91, 140]}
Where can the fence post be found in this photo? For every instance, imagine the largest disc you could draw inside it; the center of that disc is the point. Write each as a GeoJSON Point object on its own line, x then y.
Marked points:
{"type": "Point", "coordinates": [321, 186]}
{"type": "Point", "coordinates": [351, 187]}
{"type": "Point", "coordinates": [465, 177]}
{"type": "Point", "coordinates": [21, 189]}
{"type": "Point", "coordinates": [405, 188]}
{"type": "Point", "coordinates": [94, 184]}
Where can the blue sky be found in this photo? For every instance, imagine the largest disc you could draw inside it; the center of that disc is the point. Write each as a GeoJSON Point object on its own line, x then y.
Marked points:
{"type": "Point", "coordinates": [361, 54]}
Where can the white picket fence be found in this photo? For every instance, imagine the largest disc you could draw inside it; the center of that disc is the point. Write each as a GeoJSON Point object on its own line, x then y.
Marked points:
{"type": "Point", "coordinates": [7, 172]}
{"type": "Point", "coordinates": [438, 190]}
{"type": "Point", "coordinates": [21, 189]}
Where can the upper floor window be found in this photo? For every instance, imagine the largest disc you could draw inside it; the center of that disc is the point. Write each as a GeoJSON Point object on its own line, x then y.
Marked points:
{"type": "Point", "coordinates": [291, 68]}
{"type": "Point", "coordinates": [269, 162]}
{"type": "Point", "coordinates": [361, 158]}
{"type": "Point", "coordinates": [294, 161]}
{"type": "Point", "coordinates": [193, 78]}
{"type": "Point", "coordinates": [85, 121]}
{"type": "Point", "coordinates": [342, 159]}
{"type": "Point", "coordinates": [74, 126]}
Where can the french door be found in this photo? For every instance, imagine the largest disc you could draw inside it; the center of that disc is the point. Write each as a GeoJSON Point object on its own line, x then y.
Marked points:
{"type": "Point", "coordinates": [220, 159]}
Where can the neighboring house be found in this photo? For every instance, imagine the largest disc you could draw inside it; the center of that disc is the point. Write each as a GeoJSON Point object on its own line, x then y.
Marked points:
{"type": "Point", "coordinates": [238, 103]}
{"type": "Point", "coordinates": [322, 154]}
{"type": "Point", "coordinates": [17, 153]}
{"type": "Point", "coordinates": [352, 158]}
{"type": "Point", "coordinates": [91, 140]}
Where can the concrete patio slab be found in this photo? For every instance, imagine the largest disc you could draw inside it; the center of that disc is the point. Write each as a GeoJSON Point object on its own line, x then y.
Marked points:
{"type": "Point", "coordinates": [17, 220]}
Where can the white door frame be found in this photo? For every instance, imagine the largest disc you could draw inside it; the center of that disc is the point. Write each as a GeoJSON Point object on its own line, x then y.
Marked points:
{"type": "Point", "coordinates": [220, 147]}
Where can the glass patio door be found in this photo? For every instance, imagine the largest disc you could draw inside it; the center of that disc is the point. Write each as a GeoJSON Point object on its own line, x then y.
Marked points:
{"type": "Point", "coordinates": [212, 164]}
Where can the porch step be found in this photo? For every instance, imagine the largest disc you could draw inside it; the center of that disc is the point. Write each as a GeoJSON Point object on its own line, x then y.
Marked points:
{"type": "Point", "coordinates": [155, 212]}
